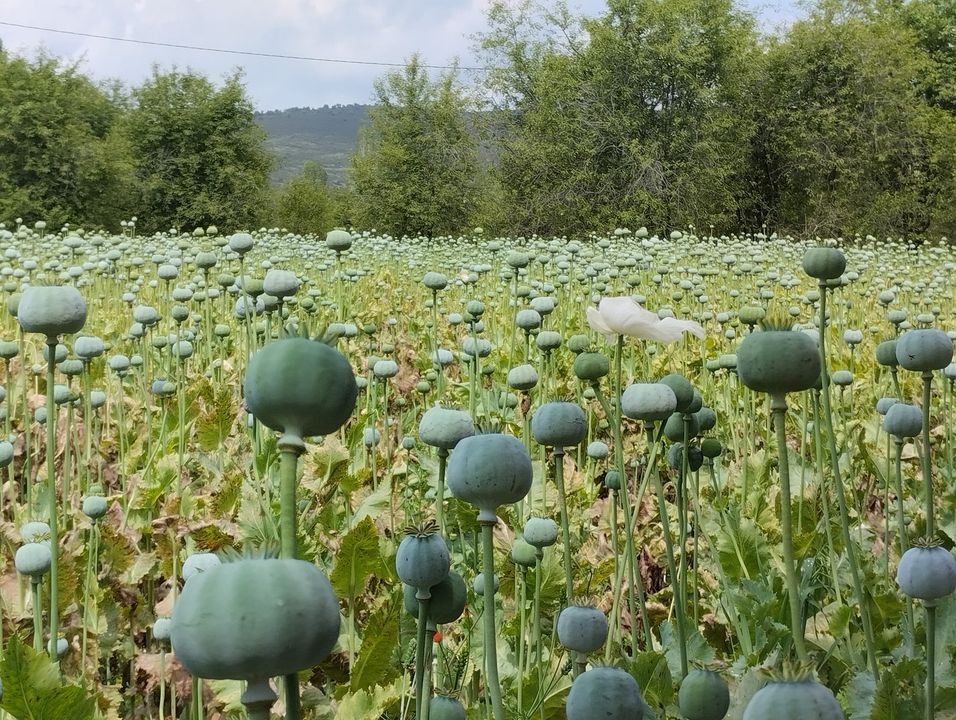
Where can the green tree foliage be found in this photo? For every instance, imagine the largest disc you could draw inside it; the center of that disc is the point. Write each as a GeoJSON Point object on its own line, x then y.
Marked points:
{"type": "Point", "coordinates": [200, 157]}
{"type": "Point", "coordinates": [627, 118]}
{"type": "Point", "coordinates": [848, 140]}
{"type": "Point", "coordinates": [416, 168]}
{"type": "Point", "coordinates": [303, 204]}
{"type": "Point", "coordinates": [61, 158]}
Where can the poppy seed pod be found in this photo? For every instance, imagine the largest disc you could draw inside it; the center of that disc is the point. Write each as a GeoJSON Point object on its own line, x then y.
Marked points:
{"type": "Point", "coordinates": [52, 311]}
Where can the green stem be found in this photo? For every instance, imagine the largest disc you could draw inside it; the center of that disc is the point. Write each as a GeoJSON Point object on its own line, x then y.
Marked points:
{"type": "Point", "coordinates": [422, 641]}
{"type": "Point", "coordinates": [901, 526]}
{"type": "Point", "coordinates": [779, 406]}
{"type": "Point", "coordinates": [491, 648]}
{"type": "Point", "coordinates": [868, 638]}
{"type": "Point", "coordinates": [671, 562]}
{"type": "Point", "coordinates": [930, 609]}
{"type": "Point", "coordinates": [51, 490]}
{"type": "Point", "coordinates": [258, 700]}
{"type": "Point", "coordinates": [440, 506]}
{"type": "Point", "coordinates": [565, 525]}
{"type": "Point", "coordinates": [290, 447]}
{"type": "Point", "coordinates": [37, 616]}
{"type": "Point", "coordinates": [162, 684]}
{"type": "Point", "coordinates": [927, 468]}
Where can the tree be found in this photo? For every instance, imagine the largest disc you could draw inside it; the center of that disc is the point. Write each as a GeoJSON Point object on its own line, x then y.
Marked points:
{"type": "Point", "coordinates": [61, 157]}
{"type": "Point", "coordinates": [200, 158]}
{"type": "Point", "coordinates": [416, 168]}
{"type": "Point", "coordinates": [303, 204]}
{"type": "Point", "coordinates": [849, 141]}
{"type": "Point", "coordinates": [628, 118]}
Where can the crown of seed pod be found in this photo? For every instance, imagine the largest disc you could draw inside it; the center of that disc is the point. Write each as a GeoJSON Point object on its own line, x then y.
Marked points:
{"type": "Point", "coordinates": [422, 560]}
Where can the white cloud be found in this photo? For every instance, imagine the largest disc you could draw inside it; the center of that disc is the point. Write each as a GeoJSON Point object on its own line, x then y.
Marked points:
{"type": "Point", "coordinates": [371, 30]}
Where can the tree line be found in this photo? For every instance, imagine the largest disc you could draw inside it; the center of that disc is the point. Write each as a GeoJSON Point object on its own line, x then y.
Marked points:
{"type": "Point", "coordinates": [663, 113]}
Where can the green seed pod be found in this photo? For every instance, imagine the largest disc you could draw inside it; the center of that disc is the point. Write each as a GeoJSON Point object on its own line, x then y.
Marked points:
{"type": "Point", "coordinates": [548, 341]}
{"type": "Point", "coordinates": [199, 563]}
{"type": "Point", "coordinates": [338, 240]}
{"type": "Point", "coordinates": [300, 387]}
{"type": "Point", "coordinates": [447, 601]}
{"type": "Point", "coordinates": [35, 531]}
{"type": "Point", "coordinates": [886, 354]}
{"type": "Point", "coordinates": [9, 349]}
{"type": "Point", "coordinates": [578, 344]}
{"type": "Point", "coordinates": [33, 559]}
{"type": "Point", "coordinates": [445, 428]}
{"type": "Point", "coordinates": [253, 619]}
{"type": "Point", "coordinates": [884, 404]}
{"type": "Point", "coordinates": [706, 420]}
{"type": "Point", "coordinates": [927, 573]}
{"type": "Point", "coordinates": [842, 378]}
{"type": "Point", "coordinates": [650, 402]}
{"type": "Point", "coordinates": [435, 281]}
{"type": "Point", "coordinates": [924, 350]}
{"type": "Point", "coordinates": [422, 559]}
{"type": "Point", "coordinates": [488, 471]}
{"type": "Point", "coordinates": [88, 347]}
{"type": "Point", "coordinates": [710, 448]}
{"type": "Point", "coordinates": [675, 457]}
{"type": "Point", "coordinates": [6, 453]}
{"type": "Point", "coordinates": [582, 628]}
{"type": "Point", "coordinates": [522, 377]}
{"type": "Point", "coordinates": [590, 366]}
{"type": "Point", "coordinates": [674, 427]}
{"type": "Point", "coordinates": [824, 263]}
{"type": "Point", "coordinates": [442, 707]}
{"type": "Point", "coordinates": [612, 480]}
{"type": "Point", "coordinates": [540, 532]}
{"type": "Point", "coordinates": [528, 320]}
{"type": "Point", "coordinates": [52, 311]}
{"type": "Point", "coordinates": [903, 420]}
{"type": "Point", "coordinates": [598, 450]}
{"type": "Point", "coordinates": [683, 390]}
{"type": "Point", "coordinates": [523, 553]}
{"type": "Point", "coordinates": [614, 691]}
{"type": "Point", "coordinates": [162, 629]}
{"type": "Point", "coordinates": [94, 506]}
{"type": "Point", "coordinates": [751, 314]}
{"type": "Point", "coordinates": [778, 361]}
{"type": "Point", "coordinates": [703, 695]}
{"type": "Point", "coordinates": [478, 584]}
{"type": "Point", "coordinates": [559, 424]}
{"type": "Point", "coordinates": [793, 700]}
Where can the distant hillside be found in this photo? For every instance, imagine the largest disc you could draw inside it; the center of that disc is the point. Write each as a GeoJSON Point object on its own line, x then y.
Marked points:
{"type": "Point", "coordinates": [325, 135]}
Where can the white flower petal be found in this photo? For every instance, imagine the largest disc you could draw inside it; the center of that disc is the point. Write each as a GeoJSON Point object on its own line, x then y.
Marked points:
{"type": "Point", "coordinates": [626, 317]}
{"type": "Point", "coordinates": [597, 323]}
{"type": "Point", "coordinates": [671, 329]}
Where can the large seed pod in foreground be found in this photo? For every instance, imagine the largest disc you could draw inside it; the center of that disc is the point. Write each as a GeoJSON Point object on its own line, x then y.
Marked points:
{"type": "Point", "coordinates": [606, 693]}
{"type": "Point", "coordinates": [489, 471]}
{"type": "Point", "coordinates": [778, 361]}
{"type": "Point", "coordinates": [300, 387]}
{"type": "Point", "coordinates": [798, 699]}
{"type": "Point", "coordinates": [52, 311]}
{"type": "Point", "coordinates": [253, 619]}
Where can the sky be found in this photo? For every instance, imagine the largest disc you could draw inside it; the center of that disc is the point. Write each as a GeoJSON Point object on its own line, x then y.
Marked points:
{"type": "Point", "coordinates": [386, 31]}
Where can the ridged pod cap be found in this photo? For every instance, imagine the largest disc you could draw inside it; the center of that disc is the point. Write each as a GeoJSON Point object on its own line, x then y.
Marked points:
{"type": "Point", "coordinates": [648, 401]}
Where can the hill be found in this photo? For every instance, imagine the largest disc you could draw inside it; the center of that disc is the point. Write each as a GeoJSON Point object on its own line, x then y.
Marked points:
{"type": "Point", "coordinates": [325, 135]}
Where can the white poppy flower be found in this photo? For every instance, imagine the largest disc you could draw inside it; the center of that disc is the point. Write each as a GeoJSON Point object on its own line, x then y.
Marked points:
{"type": "Point", "coordinates": [623, 316]}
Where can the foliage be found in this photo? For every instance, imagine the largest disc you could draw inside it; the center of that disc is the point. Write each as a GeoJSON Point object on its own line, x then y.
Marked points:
{"type": "Point", "coordinates": [61, 157]}
{"type": "Point", "coordinates": [847, 142]}
{"type": "Point", "coordinates": [32, 689]}
{"type": "Point", "coordinates": [199, 157]}
{"type": "Point", "coordinates": [303, 204]}
{"type": "Point", "coordinates": [415, 171]}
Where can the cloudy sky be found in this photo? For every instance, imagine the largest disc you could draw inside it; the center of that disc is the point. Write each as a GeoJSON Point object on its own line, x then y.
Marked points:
{"type": "Point", "coordinates": [366, 30]}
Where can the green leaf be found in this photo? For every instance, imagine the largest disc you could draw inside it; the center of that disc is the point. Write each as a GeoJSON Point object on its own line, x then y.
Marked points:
{"type": "Point", "coordinates": [368, 704]}
{"type": "Point", "coordinates": [357, 558]}
{"type": "Point", "coordinates": [697, 648]}
{"type": "Point", "coordinates": [32, 689]}
{"type": "Point", "coordinates": [653, 675]}
{"type": "Point", "coordinates": [375, 658]}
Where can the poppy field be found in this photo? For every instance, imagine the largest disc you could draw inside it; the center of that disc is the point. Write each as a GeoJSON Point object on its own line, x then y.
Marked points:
{"type": "Point", "coordinates": [624, 476]}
